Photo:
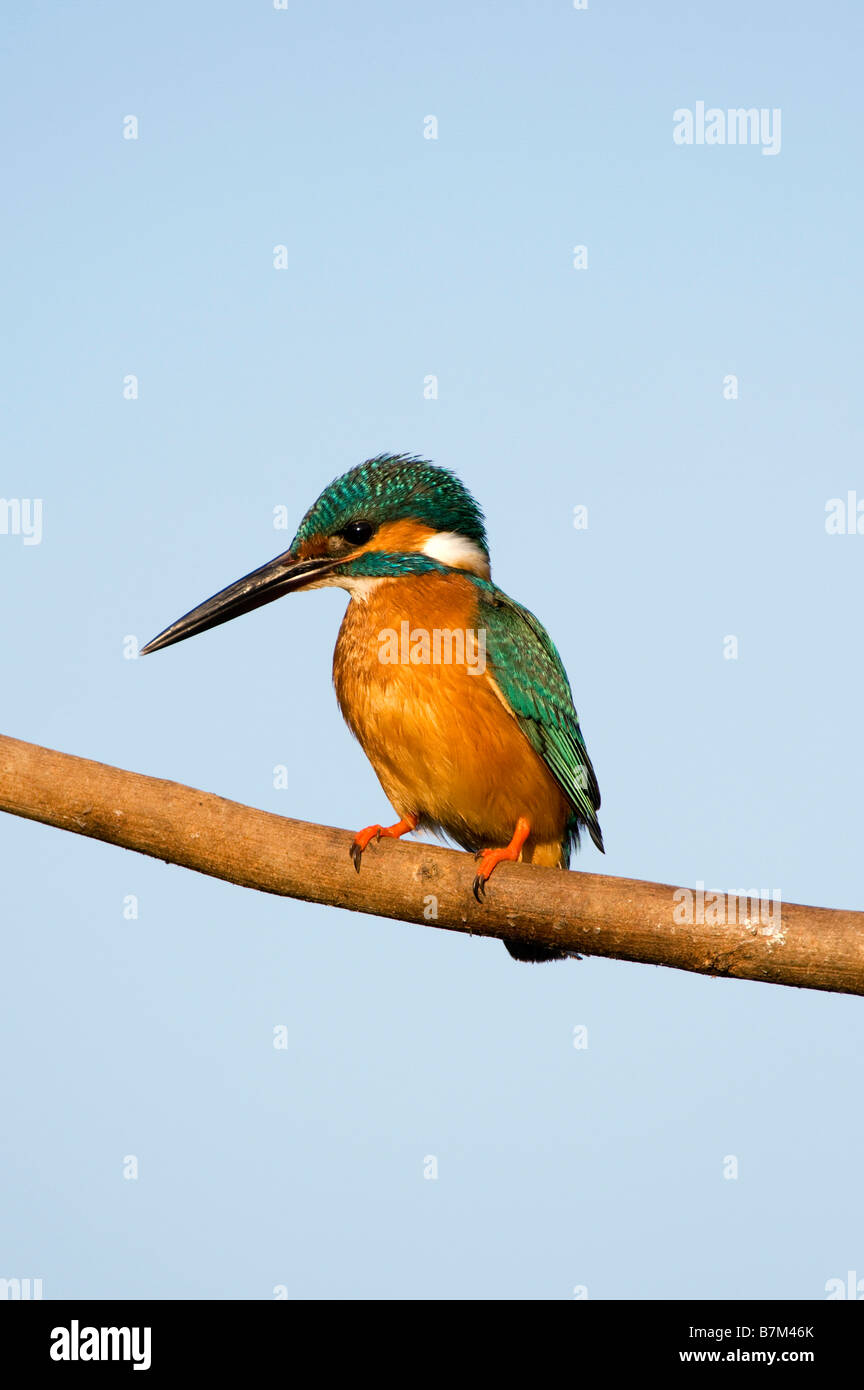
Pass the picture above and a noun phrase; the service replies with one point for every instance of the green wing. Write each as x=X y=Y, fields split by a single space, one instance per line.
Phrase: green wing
x=524 y=662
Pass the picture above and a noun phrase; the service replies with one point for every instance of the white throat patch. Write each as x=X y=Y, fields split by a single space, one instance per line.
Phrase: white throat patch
x=360 y=587
x=449 y=548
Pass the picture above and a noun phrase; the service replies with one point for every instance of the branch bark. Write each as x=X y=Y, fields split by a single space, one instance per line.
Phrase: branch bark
x=592 y=914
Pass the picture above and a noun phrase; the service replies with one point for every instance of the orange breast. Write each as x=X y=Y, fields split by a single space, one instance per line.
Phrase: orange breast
x=443 y=743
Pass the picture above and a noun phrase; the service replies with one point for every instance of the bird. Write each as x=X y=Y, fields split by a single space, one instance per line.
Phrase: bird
x=455 y=692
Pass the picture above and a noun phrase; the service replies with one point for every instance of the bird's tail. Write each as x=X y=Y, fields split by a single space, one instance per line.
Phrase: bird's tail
x=553 y=855
x=534 y=955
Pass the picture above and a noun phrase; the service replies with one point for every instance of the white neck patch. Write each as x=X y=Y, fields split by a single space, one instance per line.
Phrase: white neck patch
x=360 y=587
x=458 y=552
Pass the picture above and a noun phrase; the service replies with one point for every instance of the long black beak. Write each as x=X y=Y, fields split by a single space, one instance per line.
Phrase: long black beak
x=281 y=576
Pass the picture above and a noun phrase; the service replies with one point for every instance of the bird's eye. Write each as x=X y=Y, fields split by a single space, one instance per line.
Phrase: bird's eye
x=358 y=532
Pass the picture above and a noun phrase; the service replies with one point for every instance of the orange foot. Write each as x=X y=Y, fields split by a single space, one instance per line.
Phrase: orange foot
x=489 y=858
x=374 y=832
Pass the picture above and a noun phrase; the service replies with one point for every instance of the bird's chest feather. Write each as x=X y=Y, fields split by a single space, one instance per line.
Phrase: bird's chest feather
x=403 y=666
x=436 y=730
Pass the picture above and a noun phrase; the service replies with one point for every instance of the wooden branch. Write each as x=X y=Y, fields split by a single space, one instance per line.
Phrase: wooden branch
x=814 y=947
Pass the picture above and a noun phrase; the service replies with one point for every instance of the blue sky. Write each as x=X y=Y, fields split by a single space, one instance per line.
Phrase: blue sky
x=604 y=387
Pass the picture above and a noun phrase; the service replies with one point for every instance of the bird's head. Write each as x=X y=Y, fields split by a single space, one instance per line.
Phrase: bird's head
x=389 y=517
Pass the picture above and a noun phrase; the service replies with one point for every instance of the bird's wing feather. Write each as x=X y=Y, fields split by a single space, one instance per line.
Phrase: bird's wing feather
x=526 y=667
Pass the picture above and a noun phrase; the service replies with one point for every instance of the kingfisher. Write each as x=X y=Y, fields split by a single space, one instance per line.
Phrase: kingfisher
x=455 y=692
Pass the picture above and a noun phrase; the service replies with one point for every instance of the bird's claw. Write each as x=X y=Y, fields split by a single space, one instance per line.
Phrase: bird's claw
x=357 y=847
x=480 y=888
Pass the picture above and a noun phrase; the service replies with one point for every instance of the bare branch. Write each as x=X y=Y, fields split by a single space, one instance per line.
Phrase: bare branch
x=813 y=947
